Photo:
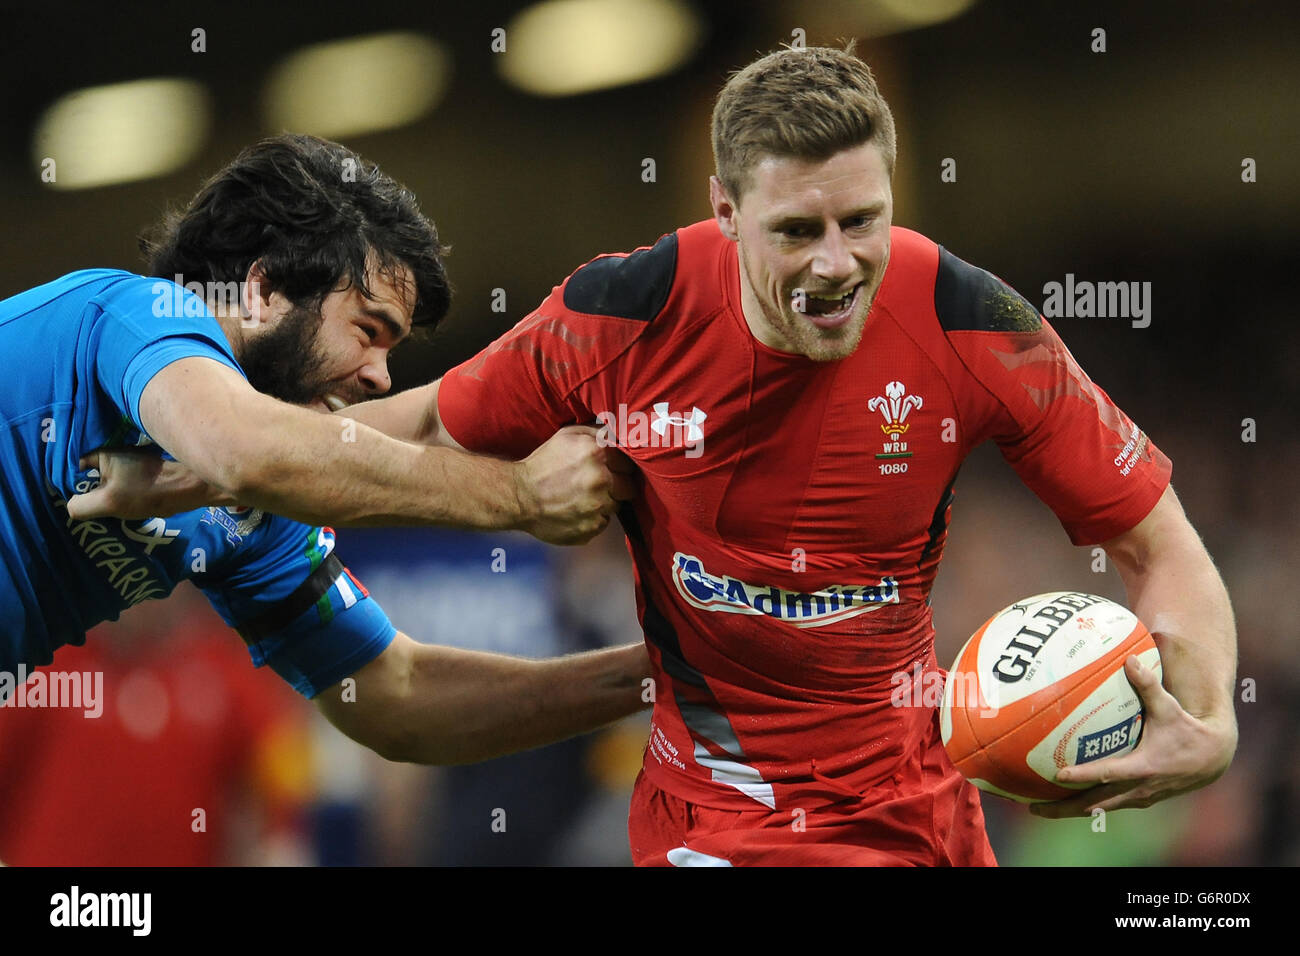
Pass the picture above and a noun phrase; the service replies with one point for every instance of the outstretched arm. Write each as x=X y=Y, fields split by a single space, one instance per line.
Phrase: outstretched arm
x=411 y=416
x=421 y=703
x=1191 y=728
x=239 y=445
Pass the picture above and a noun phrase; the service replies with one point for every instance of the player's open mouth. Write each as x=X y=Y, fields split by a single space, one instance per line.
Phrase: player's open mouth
x=828 y=312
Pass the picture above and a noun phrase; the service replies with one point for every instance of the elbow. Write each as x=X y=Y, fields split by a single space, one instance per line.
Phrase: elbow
x=387 y=737
x=234 y=478
x=225 y=465
x=404 y=729
x=395 y=748
x=412 y=713
x=407 y=745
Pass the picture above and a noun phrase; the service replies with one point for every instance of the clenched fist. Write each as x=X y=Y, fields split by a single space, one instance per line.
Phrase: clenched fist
x=141 y=484
x=569 y=487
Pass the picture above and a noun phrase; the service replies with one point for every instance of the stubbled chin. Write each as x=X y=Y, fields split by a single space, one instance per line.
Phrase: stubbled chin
x=830 y=345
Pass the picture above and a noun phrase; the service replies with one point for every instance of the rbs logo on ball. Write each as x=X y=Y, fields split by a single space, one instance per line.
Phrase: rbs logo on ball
x=1105 y=742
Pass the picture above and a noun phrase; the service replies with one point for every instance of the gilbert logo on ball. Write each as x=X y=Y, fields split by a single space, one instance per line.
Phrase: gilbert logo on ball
x=1051 y=692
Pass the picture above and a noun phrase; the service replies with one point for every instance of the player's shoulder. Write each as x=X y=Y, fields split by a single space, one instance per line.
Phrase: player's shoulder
x=109 y=286
x=121 y=299
x=638 y=285
x=94 y=281
x=965 y=297
x=128 y=294
x=73 y=290
x=968 y=298
x=630 y=285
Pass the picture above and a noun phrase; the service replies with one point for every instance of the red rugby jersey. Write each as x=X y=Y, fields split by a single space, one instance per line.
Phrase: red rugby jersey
x=792 y=513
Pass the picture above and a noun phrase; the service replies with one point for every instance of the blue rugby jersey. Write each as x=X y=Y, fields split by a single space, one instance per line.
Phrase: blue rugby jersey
x=77 y=353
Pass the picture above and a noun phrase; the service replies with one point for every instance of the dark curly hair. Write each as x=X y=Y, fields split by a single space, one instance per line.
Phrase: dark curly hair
x=311 y=211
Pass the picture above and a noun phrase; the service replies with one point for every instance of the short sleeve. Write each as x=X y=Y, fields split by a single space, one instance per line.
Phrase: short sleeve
x=144 y=326
x=509 y=398
x=1065 y=438
x=541 y=375
x=299 y=610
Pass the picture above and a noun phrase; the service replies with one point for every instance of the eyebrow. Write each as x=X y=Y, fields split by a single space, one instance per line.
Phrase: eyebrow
x=792 y=219
x=395 y=328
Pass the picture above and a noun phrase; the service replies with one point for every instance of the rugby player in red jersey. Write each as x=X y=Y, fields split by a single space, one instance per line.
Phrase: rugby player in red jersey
x=798 y=381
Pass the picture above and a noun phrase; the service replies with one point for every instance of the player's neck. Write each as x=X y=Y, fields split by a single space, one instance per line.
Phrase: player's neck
x=232 y=323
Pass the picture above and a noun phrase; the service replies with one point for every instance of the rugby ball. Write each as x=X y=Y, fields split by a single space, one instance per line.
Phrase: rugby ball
x=1042 y=686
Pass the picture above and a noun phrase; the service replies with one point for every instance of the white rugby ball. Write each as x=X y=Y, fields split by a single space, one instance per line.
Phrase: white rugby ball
x=1042 y=686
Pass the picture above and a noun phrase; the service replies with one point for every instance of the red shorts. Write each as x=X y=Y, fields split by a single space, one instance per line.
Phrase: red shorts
x=927 y=815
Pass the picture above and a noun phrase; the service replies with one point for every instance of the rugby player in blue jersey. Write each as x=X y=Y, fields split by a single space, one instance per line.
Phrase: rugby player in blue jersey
x=314 y=265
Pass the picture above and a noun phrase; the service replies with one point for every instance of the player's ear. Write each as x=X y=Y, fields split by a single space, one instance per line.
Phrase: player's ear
x=724 y=210
x=255 y=297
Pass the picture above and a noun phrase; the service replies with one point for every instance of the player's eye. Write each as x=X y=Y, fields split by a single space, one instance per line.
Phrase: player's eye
x=860 y=222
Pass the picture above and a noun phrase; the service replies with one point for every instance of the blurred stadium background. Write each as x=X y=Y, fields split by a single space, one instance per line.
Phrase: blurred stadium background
x=1119 y=166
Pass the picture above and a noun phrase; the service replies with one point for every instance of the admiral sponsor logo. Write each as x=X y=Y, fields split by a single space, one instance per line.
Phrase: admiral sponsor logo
x=709 y=592
x=237 y=522
x=661 y=429
x=1103 y=743
x=1029 y=640
x=894 y=407
x=1103 y=300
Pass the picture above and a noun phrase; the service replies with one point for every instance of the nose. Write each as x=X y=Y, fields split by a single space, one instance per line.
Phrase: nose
x=833 y=261
x=374 y=374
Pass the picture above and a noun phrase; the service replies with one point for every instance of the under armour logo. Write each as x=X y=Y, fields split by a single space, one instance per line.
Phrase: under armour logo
x=692 y=424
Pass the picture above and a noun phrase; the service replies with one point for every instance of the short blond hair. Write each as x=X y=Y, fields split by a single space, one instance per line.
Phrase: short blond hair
x=801 y=103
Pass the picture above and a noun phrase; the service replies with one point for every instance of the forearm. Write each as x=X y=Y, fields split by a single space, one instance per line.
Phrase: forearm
x=339 y=471
x=330 y=469
x=467 y=706
x=1183 y=602
x=410 y=416
x=321 y=469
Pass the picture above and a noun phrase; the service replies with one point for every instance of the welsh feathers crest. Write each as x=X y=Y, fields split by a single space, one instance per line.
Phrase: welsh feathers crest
x=894 y=406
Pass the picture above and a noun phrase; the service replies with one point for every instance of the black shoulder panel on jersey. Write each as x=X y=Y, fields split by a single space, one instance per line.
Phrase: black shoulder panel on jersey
x=627 y=287
x=968 y=298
